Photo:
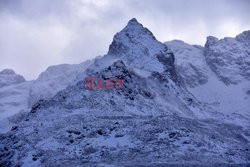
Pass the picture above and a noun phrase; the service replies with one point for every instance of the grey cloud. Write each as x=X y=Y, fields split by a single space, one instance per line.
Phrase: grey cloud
x=36 y=34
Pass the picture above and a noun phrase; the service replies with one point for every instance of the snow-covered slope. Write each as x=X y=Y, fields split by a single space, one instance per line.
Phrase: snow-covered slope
x=18 y=95
x=229 y=58
x=9 y=77
x=190 y=62
x=54 y=79
x=13 y=100
x=217 y=74
x=153 y=120
x=13 y=97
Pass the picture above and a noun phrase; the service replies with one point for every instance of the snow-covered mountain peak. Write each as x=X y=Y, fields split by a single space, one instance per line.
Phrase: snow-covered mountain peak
x=211 y=40
x=138 y=47
x=244 y=37
x=133 y=21
x=132 y=36
x=9 y=77
x=207 y=72
x=133 y=27
x=229 y=57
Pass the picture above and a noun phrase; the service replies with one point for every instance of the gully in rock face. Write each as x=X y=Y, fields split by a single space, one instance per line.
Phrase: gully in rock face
x=111 y=83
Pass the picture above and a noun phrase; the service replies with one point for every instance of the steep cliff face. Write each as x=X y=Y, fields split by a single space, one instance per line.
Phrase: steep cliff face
x=229 y=58
x=217 y=74
x=190 y=63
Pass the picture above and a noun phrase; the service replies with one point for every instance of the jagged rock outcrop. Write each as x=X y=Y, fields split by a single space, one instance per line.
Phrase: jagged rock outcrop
x=218 y=73
x=229 y=58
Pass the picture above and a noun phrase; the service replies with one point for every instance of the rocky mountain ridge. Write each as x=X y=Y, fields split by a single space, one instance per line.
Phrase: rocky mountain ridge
x=160 y=117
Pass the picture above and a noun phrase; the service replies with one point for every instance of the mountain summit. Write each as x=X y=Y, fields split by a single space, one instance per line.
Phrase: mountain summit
x=138 y=47
x=9 y=77
x=133 y=35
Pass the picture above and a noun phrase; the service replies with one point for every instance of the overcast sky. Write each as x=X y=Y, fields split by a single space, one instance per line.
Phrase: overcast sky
x=37 y=33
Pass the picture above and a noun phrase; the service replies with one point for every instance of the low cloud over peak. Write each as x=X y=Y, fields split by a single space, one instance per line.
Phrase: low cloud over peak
x=36 y=34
